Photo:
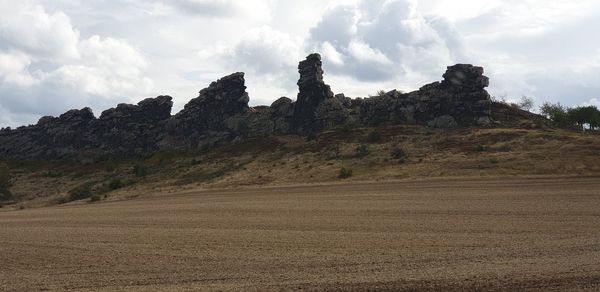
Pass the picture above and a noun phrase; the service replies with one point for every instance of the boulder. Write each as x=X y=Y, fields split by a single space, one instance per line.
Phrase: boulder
x=223 y=99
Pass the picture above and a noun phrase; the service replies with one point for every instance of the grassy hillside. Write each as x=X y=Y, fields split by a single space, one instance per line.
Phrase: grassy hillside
x=367 y=154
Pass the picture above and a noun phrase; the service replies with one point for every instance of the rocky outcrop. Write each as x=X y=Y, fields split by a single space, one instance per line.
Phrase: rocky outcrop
x=221 y=114
x=313 y=92
x=206 y=119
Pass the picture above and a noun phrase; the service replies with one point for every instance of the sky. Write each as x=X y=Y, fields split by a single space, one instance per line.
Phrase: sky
x=57 y=55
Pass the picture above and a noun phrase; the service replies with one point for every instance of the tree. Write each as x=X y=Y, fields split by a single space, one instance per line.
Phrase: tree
x=585 y=115
x=595 y=121
x=556 y=113
x=5 y=183
x=526 y=103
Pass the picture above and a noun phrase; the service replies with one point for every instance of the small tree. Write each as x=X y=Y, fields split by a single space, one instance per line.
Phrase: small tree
x=5 y=183
x=556 y=113
x=585 y=115
x=345 y=173
x=526 y=103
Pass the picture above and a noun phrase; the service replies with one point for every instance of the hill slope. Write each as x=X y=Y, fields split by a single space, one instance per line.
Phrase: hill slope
x=384 y=153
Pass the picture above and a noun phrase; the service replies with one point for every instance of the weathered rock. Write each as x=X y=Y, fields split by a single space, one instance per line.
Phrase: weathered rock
x=224 y=99
x=459 y=100
x=282 y=111
x=133 y=129
x=313 y=91
x=221 y=114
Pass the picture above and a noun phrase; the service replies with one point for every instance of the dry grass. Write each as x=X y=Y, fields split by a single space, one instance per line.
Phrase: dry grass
x=440 y=235
x=285 y=160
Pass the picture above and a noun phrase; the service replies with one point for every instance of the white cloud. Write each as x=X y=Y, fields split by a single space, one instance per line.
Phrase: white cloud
x=266 y=51
x=363 y=53
x=61 y=54
x=13 y=69
x=592 y=102
x=27 y=27
x=384 y=44
x=330 y=53
x=46 y=68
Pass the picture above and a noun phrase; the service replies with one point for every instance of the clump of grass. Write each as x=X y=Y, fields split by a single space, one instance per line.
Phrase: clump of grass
x=95 y=198
x=398 y=153
x=345 y=173
x=110 y=166
x=140 y=170
x=374 y=137
x=52 y=174
x=311 y=136
x=116 y=184
x=334 y=152
x=81 y=192
x=361 y=151
x=5 y=183
x=63 y=200
x=480 y=148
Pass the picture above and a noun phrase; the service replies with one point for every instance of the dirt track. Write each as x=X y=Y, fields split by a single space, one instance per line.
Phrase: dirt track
x=536 y=234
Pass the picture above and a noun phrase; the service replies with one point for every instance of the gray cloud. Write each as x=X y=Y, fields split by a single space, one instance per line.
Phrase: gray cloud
x=40 y=77
x=210 y=8
x=385 y=40
x=62 y=54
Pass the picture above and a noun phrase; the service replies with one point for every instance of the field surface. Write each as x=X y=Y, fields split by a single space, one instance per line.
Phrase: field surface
x=445 y=235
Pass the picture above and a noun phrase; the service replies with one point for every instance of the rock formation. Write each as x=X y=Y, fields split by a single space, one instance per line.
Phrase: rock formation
x=207 y=116
x=221 y=114
x=313 y=92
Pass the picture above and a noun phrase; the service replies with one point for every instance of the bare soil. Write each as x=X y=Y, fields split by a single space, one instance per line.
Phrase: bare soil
x=438 y=235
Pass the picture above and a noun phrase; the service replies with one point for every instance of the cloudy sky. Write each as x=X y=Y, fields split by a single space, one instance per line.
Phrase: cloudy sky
x=57 y=55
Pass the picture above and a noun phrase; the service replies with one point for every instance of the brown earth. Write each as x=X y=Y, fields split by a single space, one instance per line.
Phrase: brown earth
x=437 y=235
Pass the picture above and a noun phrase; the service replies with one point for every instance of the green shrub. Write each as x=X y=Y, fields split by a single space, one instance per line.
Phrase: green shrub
x=345 y=173
x=398 y=153
x=334 y=152
x=480 y=148
x=110 y=166
x=5 y=183
x=362 y=151
x=81 y=192
x=140 y=170
x=115 y=184
x=63 y=200
x=374 y=137
x=311 y=136
x=95 y=198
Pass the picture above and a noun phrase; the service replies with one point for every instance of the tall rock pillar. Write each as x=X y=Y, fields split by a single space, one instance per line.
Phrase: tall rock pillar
x=313 y=91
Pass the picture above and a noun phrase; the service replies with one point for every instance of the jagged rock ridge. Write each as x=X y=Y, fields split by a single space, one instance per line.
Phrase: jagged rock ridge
x=221 y=114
